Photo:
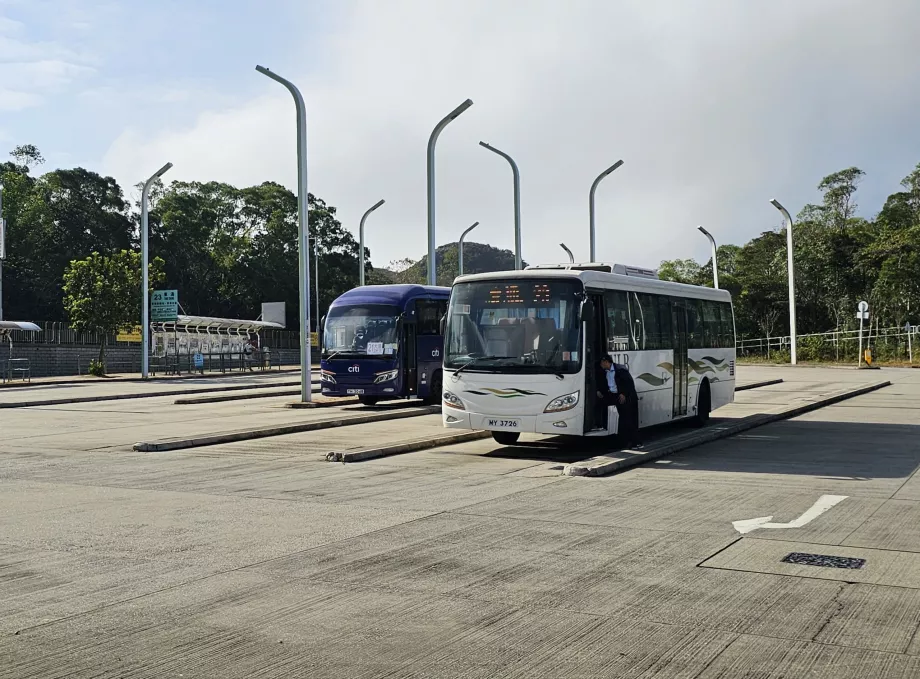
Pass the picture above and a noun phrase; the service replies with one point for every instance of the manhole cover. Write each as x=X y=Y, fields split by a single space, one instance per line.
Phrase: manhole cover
x=804 y=559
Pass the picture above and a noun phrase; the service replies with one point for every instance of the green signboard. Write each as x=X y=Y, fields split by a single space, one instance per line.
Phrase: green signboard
x=164 y=306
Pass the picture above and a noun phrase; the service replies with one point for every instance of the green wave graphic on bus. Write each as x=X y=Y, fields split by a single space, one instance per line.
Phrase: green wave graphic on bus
x=655 y=381
x=505 y=393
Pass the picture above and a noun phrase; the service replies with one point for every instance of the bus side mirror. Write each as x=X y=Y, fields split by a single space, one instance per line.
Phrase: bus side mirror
x=586 y=312
x=322 y=326
x=443 y=324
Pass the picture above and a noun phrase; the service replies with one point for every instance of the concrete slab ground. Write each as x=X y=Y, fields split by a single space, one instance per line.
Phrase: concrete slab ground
x=260 y=559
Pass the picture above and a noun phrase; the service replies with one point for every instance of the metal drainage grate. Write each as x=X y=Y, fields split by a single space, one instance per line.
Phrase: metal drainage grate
x=824 y=560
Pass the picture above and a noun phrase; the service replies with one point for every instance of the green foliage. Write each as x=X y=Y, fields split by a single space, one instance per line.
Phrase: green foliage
x=477 y=258
x=96 y=368
x=102 y=293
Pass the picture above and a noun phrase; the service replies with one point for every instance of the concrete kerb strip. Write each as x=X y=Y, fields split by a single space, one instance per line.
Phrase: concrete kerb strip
x=607 y=464
x=124 y=397
x=757 y=385
x=233 y=397
x=39 y=382
x=279 y=430
x=406 y=446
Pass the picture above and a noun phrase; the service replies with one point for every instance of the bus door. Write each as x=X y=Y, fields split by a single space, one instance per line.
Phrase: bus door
x=595 y=343
x=681 y=368
x=410 y=355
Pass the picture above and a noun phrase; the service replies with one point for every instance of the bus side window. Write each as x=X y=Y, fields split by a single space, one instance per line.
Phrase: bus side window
x=618 y=335
x=728 y=325
x=664 y=322
x=429 y=318
x=694 y=325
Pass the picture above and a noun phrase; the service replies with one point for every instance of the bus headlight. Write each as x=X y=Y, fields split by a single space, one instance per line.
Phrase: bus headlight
x=386 y=376
x=452 y=401
x=327 y=376
x=566 y=402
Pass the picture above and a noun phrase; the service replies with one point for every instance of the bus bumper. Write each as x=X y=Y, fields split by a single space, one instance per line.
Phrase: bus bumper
x=568 y=422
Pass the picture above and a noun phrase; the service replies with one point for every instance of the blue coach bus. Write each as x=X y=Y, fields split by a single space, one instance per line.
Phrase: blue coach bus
x=383 y=342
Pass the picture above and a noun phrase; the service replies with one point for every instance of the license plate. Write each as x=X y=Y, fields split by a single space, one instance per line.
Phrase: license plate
x=354 y=391
x=499 y=423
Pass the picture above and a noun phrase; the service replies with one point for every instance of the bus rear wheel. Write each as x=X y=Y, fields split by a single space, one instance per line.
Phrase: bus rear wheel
x=436 y=390
x=506 y=438
x=703 y=406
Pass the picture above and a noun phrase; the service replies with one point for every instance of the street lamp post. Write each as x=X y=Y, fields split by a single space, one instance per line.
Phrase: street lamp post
x=361 y=240
x=715 y=267
x=316 y=275
x=432 y=140
x=145 y=283
x=568 y=252
x=303 y=247
x=591 y=202
x=791 y=270
x=516 y=175
x=462 y=236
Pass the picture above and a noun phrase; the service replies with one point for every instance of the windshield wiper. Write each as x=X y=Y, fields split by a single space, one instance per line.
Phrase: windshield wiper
x=476 y=359
x=549 y=361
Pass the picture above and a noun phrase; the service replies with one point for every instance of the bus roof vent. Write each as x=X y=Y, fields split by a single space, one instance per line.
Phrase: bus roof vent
x=626 y=270
x=589 y=266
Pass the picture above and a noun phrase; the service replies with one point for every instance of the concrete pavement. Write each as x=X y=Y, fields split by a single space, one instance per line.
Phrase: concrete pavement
x=260 y=559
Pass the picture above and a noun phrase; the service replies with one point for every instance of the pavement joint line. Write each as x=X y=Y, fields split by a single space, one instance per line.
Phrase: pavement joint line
x=164 y=445
x=608 y=464
x=757 y=385
x=124 y=397
x=52 y=380
x=411 y=446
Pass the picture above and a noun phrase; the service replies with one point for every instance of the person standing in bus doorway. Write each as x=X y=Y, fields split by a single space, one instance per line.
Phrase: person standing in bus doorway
x=619 y=390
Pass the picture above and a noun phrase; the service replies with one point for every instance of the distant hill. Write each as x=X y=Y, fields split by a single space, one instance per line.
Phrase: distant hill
x=477 y=258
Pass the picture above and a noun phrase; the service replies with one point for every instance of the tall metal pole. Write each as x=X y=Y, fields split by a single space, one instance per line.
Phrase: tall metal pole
x=715 y=266
x=145 y=282
x=432 y=140
x=303 y=230
x=591 y=202
x=568 y=252
x=790 y=268
x=2 y=249
x=361 y=240
x=462 y=236
x=516 y=175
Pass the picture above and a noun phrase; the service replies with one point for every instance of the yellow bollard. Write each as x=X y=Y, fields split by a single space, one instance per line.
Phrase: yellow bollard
x=868 y=356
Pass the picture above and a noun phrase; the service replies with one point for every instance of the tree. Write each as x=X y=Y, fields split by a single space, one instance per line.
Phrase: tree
x=102 y=293
x=682 y=271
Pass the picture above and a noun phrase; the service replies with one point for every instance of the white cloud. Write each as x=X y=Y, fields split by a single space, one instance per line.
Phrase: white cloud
x=714 y=106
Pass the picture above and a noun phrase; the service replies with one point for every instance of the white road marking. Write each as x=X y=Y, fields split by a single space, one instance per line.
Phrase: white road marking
x=824 y=503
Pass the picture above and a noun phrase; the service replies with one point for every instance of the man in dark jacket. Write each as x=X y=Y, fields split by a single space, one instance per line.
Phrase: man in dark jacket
x=618 y=389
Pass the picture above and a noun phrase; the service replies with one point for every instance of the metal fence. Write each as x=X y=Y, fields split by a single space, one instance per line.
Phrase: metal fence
x=59 y=333
x=887 y=344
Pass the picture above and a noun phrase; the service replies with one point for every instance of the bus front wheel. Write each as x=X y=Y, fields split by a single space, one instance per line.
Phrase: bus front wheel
x=506 y=438
x=703 y=405
x=368 y=400
x=436 y=390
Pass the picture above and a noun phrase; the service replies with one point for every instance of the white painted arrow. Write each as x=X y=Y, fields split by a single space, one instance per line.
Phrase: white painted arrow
x=824 y=503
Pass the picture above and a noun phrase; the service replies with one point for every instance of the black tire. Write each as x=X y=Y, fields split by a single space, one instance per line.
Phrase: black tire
x=506 y=438
x=368 y=400
x=703 y=405
x=435 y=390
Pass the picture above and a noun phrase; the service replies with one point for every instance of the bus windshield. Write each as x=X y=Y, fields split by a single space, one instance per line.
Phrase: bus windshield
x=362 y=330
x=523 y=326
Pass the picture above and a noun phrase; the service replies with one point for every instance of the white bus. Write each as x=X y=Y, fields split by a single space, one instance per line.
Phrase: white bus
x=522 y=349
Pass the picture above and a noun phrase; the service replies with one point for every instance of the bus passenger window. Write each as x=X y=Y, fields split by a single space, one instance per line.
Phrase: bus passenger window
x=618 y=334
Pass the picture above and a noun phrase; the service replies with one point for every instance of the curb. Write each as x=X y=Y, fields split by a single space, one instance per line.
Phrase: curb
x=406 y=447
x=232 y=397
x=603 y=465
x=299 y=405
x=125 y=397
x=757 y=385
x=248 y=434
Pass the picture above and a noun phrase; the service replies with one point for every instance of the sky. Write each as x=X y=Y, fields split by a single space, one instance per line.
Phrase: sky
x=714 y=106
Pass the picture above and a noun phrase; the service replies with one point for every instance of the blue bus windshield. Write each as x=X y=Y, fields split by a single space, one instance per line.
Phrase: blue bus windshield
x=362 y=330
